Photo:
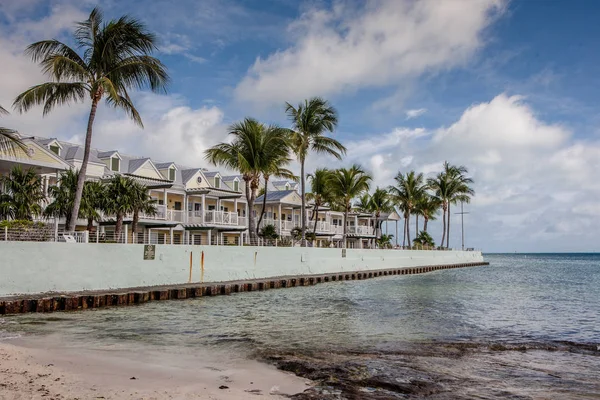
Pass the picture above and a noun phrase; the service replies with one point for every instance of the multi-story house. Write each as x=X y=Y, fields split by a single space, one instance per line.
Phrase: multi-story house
x=194 y=205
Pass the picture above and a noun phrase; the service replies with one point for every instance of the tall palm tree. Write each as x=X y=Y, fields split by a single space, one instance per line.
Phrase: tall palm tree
x=409 y=188
x=274 y=163
x=320 y=192
x=380 y=202
x=441 y=189
x=121 y=200
x=311 y=120
x=347 y=184
x=250 y=152
x=23 y=194
x=109 y=59
x=363 y=203
x=460 y=189
x=9 y=139
x=142 y=202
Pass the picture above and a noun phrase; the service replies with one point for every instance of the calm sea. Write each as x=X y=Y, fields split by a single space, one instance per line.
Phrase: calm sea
x=518 y=298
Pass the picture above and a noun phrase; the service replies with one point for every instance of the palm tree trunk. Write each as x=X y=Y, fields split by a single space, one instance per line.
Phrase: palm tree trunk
x=345 y=236
x=134 y=223
x=316 y=217
x=118 y=226
x=251 y=196
x=84 y=163
x=264 y=205
x=416 y=225
x=408 y=230
x=90 y=224
x=444 y=226
x=448 y=229
x=425 y=224
x=404 y=234
x=303 y=206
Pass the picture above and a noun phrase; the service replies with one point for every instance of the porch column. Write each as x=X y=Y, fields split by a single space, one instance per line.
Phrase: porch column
x=56 y=218
x=279 y=215
x=149 y=240
x=204 y=209
x=235 y=205
x=185 y=208
x=171 y=235
x=241 y=238
x=126 y=233
x=209 y=237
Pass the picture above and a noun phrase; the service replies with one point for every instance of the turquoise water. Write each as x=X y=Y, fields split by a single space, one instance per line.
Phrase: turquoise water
x=517 y=298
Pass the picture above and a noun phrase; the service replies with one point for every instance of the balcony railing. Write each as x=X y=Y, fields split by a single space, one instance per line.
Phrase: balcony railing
x=360 y=230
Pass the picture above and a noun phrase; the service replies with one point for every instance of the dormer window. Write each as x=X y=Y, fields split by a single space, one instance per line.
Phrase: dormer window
x=236 y=186
x=55 y=149
x=217 y=182
x=115 y=163
x=287 y=186
x=172 y=173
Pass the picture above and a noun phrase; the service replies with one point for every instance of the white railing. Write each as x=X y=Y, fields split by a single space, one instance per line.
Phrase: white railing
x=175 y=215
x=337 y=229
x=360 y=230
x=242 y=221
x=322 y=226
x=220 y=217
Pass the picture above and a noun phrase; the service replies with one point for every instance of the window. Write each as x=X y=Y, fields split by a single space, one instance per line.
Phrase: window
x=114 y=164
x=55 y=149
x=178 y=206
x=217 y=182
x=210 y=208
x=236 y=186
x=171 y=174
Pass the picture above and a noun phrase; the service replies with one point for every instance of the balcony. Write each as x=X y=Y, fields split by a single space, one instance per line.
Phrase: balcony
x=360 y=230
x=214 y=217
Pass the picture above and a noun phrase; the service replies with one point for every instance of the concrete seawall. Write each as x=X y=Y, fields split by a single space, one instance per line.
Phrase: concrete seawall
x=47 y=277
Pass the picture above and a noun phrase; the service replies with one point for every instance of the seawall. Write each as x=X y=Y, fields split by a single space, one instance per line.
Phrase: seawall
x=48 y=276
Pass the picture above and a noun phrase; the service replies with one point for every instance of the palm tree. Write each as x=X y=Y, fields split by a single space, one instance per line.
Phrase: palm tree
x=459 y=189
x=142 y=202
x=380 y=202
x=113 y=58
x=311 y=120
x=320 y=192
x=385 y=241
x=9 y=138
x=251 y=153
x=427 y=207
x=121 y=200
x=363 y=203
x=274 y=162
x=347 y=184
x=409 y=188
x=22 y=195
x=93 y=201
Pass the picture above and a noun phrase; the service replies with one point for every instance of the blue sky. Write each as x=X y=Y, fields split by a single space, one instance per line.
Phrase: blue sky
x=507 y=88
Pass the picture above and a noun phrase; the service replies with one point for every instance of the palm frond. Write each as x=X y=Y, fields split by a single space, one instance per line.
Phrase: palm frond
x=50 y=94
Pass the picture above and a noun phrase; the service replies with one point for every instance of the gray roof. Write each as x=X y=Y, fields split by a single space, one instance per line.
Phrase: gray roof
x=164 y=165
x=135 y=164
x=187 y=174
x=46 y=141
x=211 y=174
x=105 y=154
x=229 y=178
x=275 y=195
x=76 y=153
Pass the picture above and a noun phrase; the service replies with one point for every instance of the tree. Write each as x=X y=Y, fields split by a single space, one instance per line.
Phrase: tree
x=380 y=202
x=363 y=203
x=385 y=241
x=320 y=191
x=23 y=194
x=269 y=232
x=424 y=239
x=274 y=162
x=347 y=184
x=249 y=153
x=114 y=58
x=9 y=139
x=311 y=120
x=409 y=188
x=427 y=207
x=142 y=202
x=121 y=200
x=63 y=195
x=450 y=186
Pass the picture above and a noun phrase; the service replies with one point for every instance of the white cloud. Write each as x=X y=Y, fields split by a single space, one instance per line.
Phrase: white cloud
x=414 y=113
x=347 y=48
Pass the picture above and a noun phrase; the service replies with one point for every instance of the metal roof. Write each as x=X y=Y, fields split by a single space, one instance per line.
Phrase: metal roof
x=275 y=195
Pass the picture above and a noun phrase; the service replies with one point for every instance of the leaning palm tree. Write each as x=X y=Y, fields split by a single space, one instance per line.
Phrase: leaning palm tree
x=320 y=192
x=459 y=189
x=409 y=188
x=311 y=120
x=249 y=153
x=121 y=200
x=109 y=59
x=9 y=139
x=23 y=194
x=347 y=184
x=427 y=207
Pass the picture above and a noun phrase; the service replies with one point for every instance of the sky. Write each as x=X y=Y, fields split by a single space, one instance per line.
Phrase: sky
x=508 y=89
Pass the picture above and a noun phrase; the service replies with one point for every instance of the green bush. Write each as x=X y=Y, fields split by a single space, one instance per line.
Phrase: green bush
x=269 y=232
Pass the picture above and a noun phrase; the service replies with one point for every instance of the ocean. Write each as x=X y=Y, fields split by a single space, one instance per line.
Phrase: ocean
x=526 y=326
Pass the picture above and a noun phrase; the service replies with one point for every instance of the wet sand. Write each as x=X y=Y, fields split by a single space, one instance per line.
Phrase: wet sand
x=30 y=371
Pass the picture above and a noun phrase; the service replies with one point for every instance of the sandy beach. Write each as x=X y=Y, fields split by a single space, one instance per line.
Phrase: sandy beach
x=30 y=371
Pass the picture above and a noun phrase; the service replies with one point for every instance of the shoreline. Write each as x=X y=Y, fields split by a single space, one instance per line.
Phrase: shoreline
x=37 y=368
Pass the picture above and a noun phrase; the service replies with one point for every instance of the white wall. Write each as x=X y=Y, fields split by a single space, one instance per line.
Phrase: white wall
x=29 y=267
